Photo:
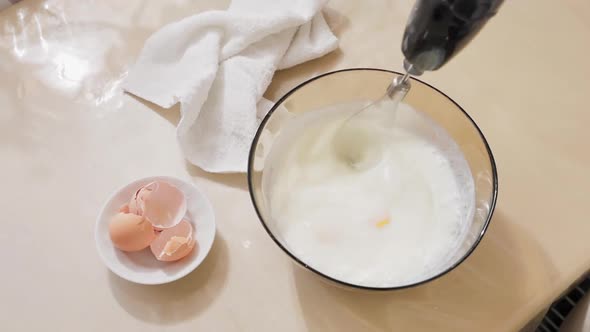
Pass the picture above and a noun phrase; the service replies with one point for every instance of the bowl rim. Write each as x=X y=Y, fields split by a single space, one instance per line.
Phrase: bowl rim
x=344 y=283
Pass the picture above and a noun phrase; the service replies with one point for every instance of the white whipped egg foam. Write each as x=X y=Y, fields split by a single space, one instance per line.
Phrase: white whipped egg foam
x=396 y=222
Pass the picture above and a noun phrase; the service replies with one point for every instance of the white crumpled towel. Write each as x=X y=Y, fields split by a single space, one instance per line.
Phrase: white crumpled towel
x=218 y=64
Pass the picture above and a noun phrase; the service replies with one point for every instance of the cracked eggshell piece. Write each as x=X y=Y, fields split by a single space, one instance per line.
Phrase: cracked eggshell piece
x=174 y=243
x=161 y=203
x=130 y=232
x=137 y=201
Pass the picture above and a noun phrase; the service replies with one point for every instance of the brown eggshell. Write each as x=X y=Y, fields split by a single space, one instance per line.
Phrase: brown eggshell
x=161 y=203
x=130 y=232
x=174 y=243
x=124 y=208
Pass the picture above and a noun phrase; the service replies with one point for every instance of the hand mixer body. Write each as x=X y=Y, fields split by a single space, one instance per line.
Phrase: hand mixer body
x=438 y=29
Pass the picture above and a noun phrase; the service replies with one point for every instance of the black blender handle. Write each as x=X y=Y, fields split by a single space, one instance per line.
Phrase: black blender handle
x=438 y=29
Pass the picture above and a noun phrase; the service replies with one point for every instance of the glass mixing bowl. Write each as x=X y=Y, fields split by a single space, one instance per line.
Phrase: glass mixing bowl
x=354 y=85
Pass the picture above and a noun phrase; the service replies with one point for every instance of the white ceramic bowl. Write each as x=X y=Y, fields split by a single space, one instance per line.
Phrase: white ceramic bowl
x=142 y=267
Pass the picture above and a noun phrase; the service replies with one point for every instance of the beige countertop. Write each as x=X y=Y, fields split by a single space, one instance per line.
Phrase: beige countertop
x=69 y=136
